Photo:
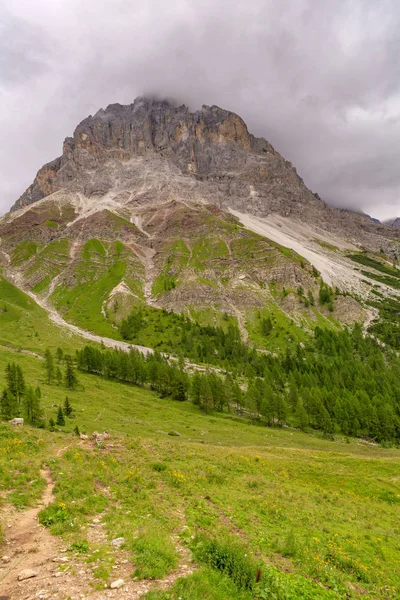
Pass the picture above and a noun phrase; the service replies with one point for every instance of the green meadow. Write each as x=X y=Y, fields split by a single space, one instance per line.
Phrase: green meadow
x=317 y=518
x=265 y=512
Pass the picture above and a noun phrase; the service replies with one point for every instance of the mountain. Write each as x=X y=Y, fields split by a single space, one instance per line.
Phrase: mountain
x=210 y=468
x=151 y=204
x=146 y=151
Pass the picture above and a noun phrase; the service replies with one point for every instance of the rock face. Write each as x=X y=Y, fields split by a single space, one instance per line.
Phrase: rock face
x=200 y=144
x=152 y=150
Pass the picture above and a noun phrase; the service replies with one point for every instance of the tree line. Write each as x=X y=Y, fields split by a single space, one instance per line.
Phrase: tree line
x=23 y=400
x=336 y=382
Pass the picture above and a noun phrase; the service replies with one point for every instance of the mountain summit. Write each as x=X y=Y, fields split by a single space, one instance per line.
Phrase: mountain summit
x=207 y=155
x=153 y=204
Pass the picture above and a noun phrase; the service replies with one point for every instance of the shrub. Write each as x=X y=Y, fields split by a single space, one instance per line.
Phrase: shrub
x=159 y=467
x=228 y=557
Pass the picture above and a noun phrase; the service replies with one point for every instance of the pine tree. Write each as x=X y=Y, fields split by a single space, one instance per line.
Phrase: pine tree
x=15 y=381
x=60 y=417
x=67 y=407
x=20 y=383
x=51 y=424
x=301 y=416
x=8 y=405
x=70 y=378
x=266 y=326
x=58 y=376
x=206 y=398
x=237 y=397
x=196 y=389
x=49 y=366
x=32 y=409
x=11 y=378
x=76 y=430
x=59 y=355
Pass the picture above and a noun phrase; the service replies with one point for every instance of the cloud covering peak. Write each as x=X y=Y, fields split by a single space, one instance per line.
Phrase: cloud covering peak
x=318 y=78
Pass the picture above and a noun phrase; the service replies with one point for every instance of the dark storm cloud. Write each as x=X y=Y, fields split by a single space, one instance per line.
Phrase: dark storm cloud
x=319 y=78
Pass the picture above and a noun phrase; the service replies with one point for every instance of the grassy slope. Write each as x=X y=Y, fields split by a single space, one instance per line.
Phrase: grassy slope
x=102 y=266
x=24 y=325
x=308 y=506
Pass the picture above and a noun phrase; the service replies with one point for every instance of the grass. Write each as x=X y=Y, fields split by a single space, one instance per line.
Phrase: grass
x=23 y=252
x=326 y=245
x=368 y=261
x=154 y=554
x=101 y=268
x=205 y=584
x=24 y=325
x=20 y=457
x=393 y=282
x=318 y=516
x=284 y=330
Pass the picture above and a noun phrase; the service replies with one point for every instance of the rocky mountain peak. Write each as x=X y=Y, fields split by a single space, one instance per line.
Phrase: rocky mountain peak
x=151 y=151
x=209 y=144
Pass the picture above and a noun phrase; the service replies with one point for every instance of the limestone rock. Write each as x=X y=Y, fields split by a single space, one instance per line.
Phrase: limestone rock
x=27 y=574
x=117 y=584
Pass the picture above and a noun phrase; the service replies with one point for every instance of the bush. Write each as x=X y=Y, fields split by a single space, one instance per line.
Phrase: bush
x=228 y=557
x=159 y=467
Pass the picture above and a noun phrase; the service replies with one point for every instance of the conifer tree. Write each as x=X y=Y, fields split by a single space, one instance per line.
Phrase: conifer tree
x=70 y=378
x=301 y=416
x=59 y=355
x=49 y=366
x=8 y=405
x=60 y=417
x=11 y=379
x=58 y=376
x=32 y=409
x=76 y=430
x=20 y=383
x=206 y=398
x=67 y=407
x=196 y=389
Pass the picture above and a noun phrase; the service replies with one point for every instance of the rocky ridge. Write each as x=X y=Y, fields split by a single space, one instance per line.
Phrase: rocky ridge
x=144 y=152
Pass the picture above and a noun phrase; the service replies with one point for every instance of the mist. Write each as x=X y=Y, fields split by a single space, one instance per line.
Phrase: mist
x=320 y=79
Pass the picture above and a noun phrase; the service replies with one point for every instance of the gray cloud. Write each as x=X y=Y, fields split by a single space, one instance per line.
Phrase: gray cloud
x=320 y=79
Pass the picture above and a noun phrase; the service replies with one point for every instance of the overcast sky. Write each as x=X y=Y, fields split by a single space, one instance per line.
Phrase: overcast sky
x=320 y=79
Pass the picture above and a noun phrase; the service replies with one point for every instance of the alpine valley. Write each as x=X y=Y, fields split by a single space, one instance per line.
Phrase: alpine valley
x=170 y=281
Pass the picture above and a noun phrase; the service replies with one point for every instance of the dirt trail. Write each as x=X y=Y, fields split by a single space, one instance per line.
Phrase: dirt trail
x=60 y=576
x=28 y=545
